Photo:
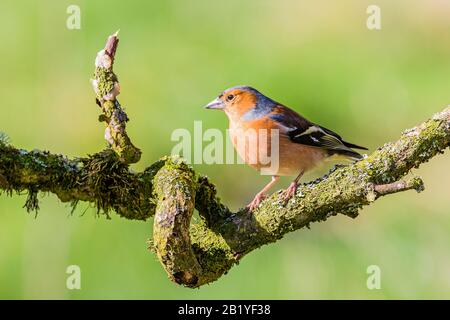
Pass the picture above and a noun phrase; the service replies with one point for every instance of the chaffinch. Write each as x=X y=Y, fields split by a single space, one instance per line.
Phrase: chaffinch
x=301 y=144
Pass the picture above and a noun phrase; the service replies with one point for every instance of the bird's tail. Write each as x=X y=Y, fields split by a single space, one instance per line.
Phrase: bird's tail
x=353 y=146
x=347 y=154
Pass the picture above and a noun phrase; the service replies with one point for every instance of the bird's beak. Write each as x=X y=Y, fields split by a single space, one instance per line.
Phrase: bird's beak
x=215 y=104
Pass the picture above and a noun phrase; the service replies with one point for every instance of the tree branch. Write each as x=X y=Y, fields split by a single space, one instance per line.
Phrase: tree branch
x=415 y=183
x=196 y=254
x=107 y=88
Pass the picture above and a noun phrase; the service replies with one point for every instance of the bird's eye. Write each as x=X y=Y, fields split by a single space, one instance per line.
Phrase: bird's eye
x=230 y=97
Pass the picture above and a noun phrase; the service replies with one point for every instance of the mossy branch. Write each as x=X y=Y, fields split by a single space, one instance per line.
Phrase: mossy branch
x=196 y=254
x=107 y=88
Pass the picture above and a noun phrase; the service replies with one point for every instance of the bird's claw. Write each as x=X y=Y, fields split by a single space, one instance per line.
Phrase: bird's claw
x=290 y=191
x=256 y=202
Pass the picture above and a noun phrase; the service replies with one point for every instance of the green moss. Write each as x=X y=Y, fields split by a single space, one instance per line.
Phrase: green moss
x=417 y=184
x=203 y=255
x=4 y=139
x=106 y=80
x=115 y=188
x=213 y=253
x=207 y=203
x=32 y=203
x=115 y=117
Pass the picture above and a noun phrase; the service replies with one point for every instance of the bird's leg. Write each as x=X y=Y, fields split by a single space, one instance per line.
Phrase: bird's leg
x=262 y=194
x=292 y=189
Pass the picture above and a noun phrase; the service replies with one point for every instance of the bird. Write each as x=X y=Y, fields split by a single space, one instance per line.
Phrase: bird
x=302 y=144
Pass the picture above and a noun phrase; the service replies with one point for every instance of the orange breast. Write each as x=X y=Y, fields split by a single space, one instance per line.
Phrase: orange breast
x=272 y=152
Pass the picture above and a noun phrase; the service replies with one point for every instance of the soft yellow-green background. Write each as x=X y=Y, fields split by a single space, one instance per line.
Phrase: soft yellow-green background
x=175 y=56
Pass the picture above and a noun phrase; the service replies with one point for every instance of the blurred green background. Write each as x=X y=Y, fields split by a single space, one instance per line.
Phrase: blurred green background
x=174 y=57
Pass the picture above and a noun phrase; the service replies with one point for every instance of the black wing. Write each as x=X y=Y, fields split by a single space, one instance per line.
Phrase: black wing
x=304 y=132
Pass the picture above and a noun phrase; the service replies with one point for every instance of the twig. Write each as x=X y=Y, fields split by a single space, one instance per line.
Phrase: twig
x=415 y=183
x=107 y=88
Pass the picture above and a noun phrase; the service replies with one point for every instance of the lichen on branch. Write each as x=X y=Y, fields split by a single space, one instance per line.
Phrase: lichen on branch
x=107 y=88
x=194 y=254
